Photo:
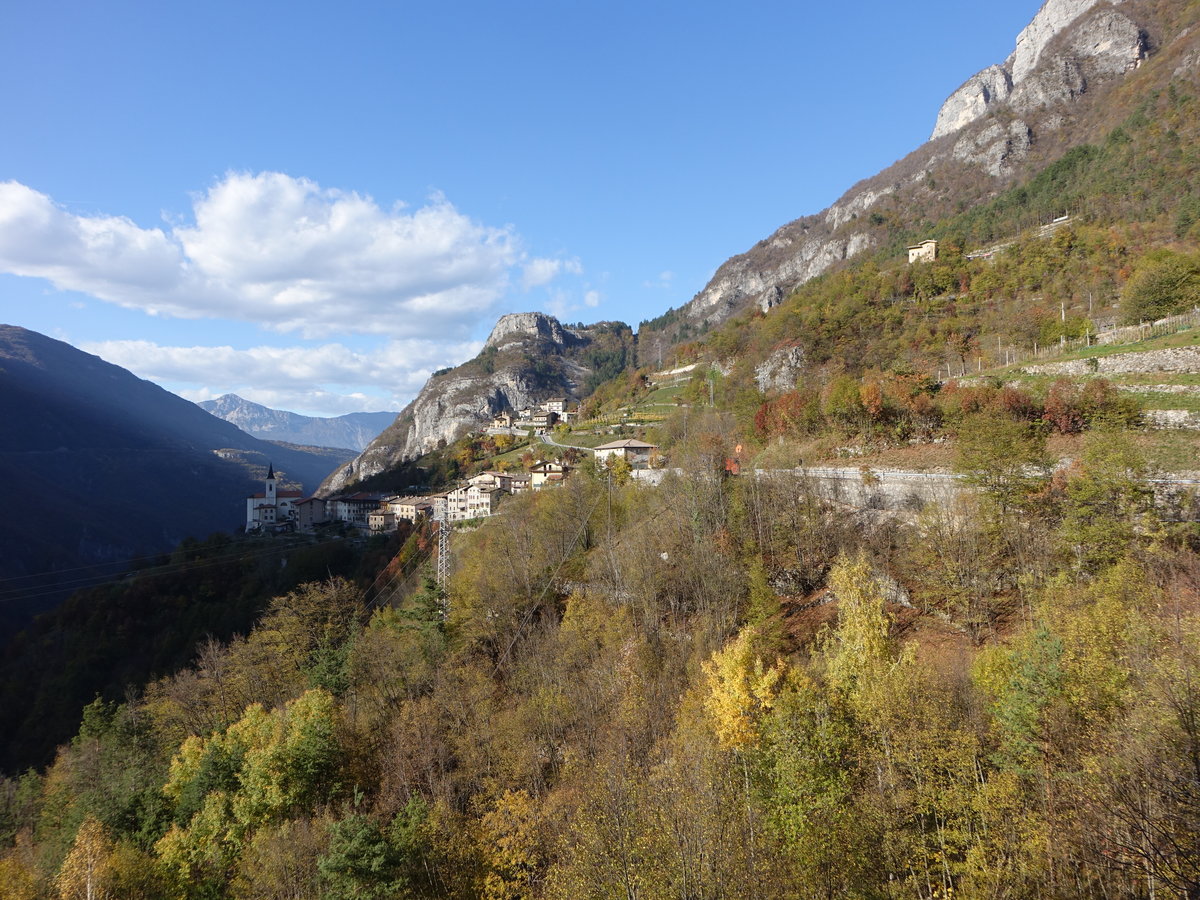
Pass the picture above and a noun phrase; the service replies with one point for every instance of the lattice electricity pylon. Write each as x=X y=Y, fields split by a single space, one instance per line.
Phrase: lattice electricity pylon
x=443 y=557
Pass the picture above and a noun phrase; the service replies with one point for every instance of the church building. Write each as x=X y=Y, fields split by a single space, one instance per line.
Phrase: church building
x=273 y=508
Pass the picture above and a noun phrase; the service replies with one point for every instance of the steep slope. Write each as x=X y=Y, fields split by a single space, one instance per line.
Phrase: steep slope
x=1004 y=124
x=353 y=430
x=528 y=357
x=101 y=466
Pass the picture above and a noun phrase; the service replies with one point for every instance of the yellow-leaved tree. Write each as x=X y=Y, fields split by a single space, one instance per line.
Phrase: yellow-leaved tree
x=741 y=690
x=262 y=769
x=858 y=651
x=85 y=873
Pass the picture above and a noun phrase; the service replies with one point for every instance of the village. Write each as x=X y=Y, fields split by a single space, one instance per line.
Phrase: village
x=274 y=511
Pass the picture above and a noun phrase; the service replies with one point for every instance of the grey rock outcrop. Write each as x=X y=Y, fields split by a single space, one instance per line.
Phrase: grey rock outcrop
x=780 y=370
x=447 y=406
x=792 y=255
x=1052 y=18
x=515 y=328
x=1068 y=42
x=995 y=147
x=528 y=358
x=971 y=101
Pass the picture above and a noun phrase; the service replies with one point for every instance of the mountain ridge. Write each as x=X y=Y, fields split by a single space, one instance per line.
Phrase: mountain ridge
x=352 y=431
x=994 y=130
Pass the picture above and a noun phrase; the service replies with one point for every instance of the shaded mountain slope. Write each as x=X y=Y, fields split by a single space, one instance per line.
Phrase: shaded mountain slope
x=102 y=466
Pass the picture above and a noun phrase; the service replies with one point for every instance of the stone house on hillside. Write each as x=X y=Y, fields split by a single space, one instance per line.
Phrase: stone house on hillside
x=926 y=251
x=354 y=508
x=310 y=512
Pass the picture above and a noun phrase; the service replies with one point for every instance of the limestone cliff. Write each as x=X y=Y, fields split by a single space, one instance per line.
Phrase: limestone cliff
x=529 y=357
x=987 y=134
x=1068 y=42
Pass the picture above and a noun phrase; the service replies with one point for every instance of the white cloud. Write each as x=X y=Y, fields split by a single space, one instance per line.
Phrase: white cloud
x=563 y=304
x=542 y=271
x=664 y=281
x=280 y=251
x=329 y=379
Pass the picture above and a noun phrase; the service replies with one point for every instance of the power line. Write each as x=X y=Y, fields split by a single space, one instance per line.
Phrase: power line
x=549 y=583
x=18 y=593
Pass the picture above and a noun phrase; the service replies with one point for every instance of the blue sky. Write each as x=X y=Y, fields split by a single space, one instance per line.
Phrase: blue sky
x=314 y=205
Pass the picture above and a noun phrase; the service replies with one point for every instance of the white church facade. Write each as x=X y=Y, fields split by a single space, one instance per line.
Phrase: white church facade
x=272 y=509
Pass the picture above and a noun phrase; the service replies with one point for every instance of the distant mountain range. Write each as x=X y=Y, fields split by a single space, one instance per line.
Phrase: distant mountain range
x=353 y=431
x=100 y=467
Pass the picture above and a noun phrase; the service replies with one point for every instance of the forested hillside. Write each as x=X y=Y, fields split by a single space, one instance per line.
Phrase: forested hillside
x=995 y=699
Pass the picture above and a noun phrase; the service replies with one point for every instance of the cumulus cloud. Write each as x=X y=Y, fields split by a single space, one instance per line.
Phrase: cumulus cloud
x=283 y=252
x=538 y=272
x=330 y=379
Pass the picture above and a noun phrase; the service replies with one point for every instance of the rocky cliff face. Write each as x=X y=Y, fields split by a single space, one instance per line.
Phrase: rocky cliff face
x=517 y=328
x=985 y=133
x=528 y=358
x=1068 y=42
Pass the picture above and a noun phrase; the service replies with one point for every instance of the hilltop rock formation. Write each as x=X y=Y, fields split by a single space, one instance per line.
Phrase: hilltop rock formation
x=528 y=358
x=987 y=133
x=516 y=328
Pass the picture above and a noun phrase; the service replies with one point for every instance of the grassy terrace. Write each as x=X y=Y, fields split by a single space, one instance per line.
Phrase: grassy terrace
x=1188 y=338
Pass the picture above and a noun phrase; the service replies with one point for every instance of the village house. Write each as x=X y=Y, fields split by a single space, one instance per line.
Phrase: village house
x=273 y=509
x=542 y=416
x=547 y=474
x=354 y=508
x=381 y=520
x=310 y=513
x=472 y=501
x=636 y=453
x=410 y=508
x=926 y=251
x=544 y=419
x=492 y=478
